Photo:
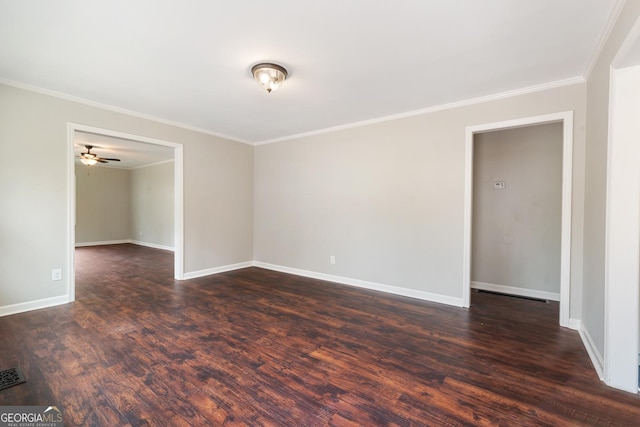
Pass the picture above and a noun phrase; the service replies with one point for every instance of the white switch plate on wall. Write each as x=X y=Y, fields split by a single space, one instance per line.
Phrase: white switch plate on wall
x=56 y=274
x=499 y=185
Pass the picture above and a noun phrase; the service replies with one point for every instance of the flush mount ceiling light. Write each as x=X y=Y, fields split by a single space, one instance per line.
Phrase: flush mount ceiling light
x=269 y=76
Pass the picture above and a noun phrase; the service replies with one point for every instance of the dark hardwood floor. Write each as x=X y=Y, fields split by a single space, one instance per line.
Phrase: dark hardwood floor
x=255 y=347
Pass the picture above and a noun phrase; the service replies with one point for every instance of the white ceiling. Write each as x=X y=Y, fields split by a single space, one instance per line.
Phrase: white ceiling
x=189 y=61
x=132 y=154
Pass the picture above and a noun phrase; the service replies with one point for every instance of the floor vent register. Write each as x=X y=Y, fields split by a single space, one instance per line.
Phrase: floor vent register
x=11 y=377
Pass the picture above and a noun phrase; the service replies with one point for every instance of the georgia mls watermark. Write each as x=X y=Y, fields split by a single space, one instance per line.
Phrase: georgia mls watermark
x=30 y=416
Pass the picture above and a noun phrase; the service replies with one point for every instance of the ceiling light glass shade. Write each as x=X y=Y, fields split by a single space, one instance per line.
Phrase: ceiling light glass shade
x=88 y=162
x=269 y=76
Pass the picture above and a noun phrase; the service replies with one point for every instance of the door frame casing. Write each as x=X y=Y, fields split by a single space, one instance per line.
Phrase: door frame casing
x=622 y=237
x=71 y=197
x=622 y=233
x=566 y=118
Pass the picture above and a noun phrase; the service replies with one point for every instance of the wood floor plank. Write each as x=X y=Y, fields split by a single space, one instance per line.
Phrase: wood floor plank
x=254 y=347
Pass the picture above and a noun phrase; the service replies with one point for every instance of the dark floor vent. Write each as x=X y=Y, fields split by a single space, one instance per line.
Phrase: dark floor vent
x=513 y=296
x=11 y=377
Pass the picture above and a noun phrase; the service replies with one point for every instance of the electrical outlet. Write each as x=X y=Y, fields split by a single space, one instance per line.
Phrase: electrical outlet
x=56 y=274
x=332 y=259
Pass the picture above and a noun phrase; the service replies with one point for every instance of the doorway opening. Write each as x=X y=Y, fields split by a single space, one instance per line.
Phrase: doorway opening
x=566 y=119
x=517 y=183
x=175 y=150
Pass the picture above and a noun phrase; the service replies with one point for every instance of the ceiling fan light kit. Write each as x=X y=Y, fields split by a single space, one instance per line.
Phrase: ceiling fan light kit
x=269 y=76
x=88 y=162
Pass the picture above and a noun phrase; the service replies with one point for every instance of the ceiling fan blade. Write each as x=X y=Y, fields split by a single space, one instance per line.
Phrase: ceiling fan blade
x=112 y=160
x=101 y=161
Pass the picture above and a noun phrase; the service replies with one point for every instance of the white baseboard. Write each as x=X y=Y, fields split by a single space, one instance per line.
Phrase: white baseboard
x=152 y=245
x=103 y=242
x=426 y=296
x=596 y=358
x=8 y=310
x=216 y=270
x=511 y=290
x=575 y=324
x=120 y=242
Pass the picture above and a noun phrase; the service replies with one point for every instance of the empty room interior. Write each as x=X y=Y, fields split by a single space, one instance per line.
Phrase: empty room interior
x=340 y=213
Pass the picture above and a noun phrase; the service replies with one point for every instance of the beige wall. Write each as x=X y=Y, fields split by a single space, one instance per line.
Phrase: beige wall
x=596 y=177
x=387 y=199
x=103 y=204
x=218 y=195
x=152 y=204
x=516 y=230
x=121 y=204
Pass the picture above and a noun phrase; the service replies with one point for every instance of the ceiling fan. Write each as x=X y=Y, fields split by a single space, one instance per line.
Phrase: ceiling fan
x=91 y=159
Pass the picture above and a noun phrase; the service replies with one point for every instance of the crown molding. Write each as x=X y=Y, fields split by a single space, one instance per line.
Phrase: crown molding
x=114 y=109
x=613 y=18
x=449 y=106
x=452 y=105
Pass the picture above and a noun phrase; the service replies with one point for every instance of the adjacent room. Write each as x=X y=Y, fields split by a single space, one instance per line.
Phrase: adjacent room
x=343 y=213
x=127 y=200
